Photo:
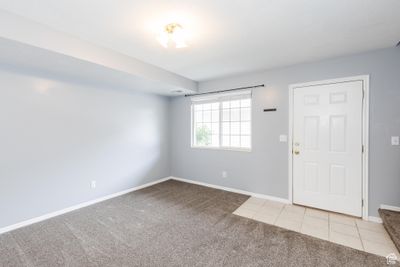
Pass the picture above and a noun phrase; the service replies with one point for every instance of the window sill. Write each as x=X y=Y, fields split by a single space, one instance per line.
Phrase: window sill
x=223 y=148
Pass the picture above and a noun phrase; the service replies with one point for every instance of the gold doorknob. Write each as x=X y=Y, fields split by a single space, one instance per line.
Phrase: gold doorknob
x=296 y=152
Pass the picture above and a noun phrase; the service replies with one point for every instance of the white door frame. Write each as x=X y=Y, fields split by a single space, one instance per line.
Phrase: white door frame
x=365 y=133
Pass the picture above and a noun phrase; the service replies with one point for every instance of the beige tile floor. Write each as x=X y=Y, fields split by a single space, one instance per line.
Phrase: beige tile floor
x=345 y=230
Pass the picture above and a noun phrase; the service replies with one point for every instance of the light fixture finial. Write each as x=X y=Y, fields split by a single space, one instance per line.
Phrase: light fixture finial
x=173 y=34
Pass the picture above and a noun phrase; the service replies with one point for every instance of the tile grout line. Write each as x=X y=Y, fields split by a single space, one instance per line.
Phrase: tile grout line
x=358 y=231
x=255 y=212
x=280 y=213
x=302 y=221
x=329 y=227
x=260 y=208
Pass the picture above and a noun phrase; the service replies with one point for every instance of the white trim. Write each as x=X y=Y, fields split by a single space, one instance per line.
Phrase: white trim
x=365 y=181
x=388 y=207
x=374 y=219
x=365 y=80
x=78 y=206
x=243 y=192
x=290 y=146
x=220 y=122
x=95 y=201
x=222 y=148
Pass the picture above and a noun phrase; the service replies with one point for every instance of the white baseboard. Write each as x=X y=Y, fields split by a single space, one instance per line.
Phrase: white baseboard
x=388 y=207
x=277 y=199
x=78 y=206
x=374 y=219
x=97 y=200
x=272 y=198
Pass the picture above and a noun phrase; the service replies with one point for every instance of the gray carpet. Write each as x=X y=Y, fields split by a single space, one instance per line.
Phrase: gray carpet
x=169 y=224
x=391 y=221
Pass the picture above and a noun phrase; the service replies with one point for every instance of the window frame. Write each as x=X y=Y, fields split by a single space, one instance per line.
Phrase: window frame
x=220 y=147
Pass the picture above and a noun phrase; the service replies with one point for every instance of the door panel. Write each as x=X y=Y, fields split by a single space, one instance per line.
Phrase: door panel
x=327 y=146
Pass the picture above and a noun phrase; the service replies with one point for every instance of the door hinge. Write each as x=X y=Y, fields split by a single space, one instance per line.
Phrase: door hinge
x=362 y=149
x=363 y=94
x=362 y=202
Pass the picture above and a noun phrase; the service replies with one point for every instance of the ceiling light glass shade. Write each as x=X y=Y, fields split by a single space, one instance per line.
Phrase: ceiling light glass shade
x=163 y=39
x=172 y=36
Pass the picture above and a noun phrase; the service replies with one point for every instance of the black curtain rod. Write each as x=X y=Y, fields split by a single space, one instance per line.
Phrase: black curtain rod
x=227 y=90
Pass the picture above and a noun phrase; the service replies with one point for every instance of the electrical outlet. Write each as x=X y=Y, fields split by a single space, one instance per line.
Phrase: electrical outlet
x=395 y=141
x=283 y=138
x=93 y=184
x=224 y=174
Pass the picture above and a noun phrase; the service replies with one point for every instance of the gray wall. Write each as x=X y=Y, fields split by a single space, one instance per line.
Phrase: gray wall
x=55 y=137
x=265 y=169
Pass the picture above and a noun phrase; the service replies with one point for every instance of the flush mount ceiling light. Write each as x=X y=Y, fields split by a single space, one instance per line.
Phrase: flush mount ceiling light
x=173 y=36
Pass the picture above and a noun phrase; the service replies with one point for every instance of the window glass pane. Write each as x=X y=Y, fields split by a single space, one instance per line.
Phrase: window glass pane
x=198 y=107
x=206 y=116
x=245 y=103
x=235 y=141
x=207 y=125
x=235 y=103
x=215 y=128
x=198 y=116
x=245 y=141
x=245 y=128
x=226 y=128
x=225 y=140
x=226 y=104
x=215 y=116
x=245 y=114
x=202 y=135
x=235 y=114
x=235 y=128
x=207 y=106
x=225 y=115
x=215 y=106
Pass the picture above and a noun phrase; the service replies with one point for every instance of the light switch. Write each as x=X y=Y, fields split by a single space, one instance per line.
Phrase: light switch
x=395 y=141
x=283 y=138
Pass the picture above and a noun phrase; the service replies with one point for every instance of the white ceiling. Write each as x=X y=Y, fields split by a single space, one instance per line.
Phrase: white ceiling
x=227 y=37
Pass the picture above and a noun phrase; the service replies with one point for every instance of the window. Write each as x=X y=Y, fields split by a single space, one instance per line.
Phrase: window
x=222 y=122
x=206 y=124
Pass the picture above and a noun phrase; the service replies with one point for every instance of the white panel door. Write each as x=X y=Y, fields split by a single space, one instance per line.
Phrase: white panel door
x=327 y=147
